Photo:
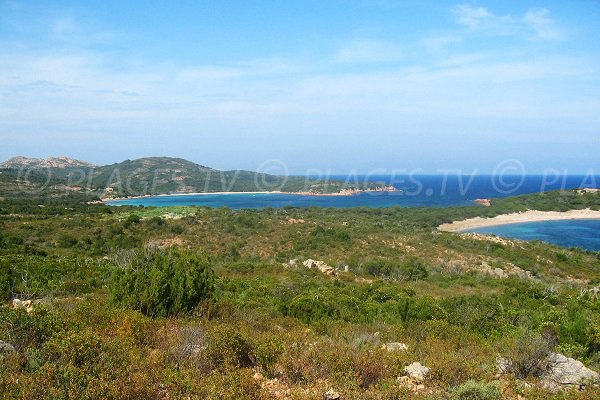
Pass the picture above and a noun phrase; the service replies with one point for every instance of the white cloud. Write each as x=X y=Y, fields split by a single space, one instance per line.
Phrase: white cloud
x=78 y=91
x=544 y=27
x=474 y=17
x=535 y=24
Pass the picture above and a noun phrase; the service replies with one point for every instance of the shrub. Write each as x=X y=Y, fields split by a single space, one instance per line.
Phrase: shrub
x=177 y=229
x=527 y=354
x=156 y=222
x=7 y=278
x=186 y=345
x=369 y=368
x=65 y=240
x=131 y=220
x=81 y=349
x=309 y=307
x=472 y=390
x=160 y=283
x=266 y=353
x=232 y=385
x=411 y=269
x=24 y=330
x=226 y=347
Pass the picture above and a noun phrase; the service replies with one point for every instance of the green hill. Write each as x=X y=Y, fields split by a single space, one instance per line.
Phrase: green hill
x=151 y=175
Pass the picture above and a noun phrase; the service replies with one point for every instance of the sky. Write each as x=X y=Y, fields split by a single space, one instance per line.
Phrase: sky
x=305 y=86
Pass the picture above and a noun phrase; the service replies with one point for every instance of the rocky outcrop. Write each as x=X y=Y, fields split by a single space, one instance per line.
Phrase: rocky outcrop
x=331 y=395
x=490 y=238
x=320 y=265
x=560 y=371
x=6 y=348
x=565 y=371
x=24 y=304
x=394 y=346
x=410 y=384
x=483 y=202
x=416 y=371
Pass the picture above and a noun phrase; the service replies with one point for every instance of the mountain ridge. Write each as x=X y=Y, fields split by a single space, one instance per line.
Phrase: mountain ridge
x=50 y=162
x=158 y=175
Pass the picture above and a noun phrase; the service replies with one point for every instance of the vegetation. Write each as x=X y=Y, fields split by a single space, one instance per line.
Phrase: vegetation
x=189 y=302
x=161 y=283
x=155 y=175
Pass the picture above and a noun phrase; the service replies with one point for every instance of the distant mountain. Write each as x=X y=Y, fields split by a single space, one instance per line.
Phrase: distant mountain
x=52 y=162
x=149 y=176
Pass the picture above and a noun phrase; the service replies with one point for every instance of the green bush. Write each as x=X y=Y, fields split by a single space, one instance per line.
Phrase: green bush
x=160 y=283
x=81 y=349
x=527 y=354
x=7 y=279
x=227 y=347
x=472 y=390
x=266 y=353
x=131 y=220
x=24 y=330
x=66 y=240
x=411 y=269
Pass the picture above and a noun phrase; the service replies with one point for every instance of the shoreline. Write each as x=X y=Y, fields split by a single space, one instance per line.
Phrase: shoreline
x=106 y=199
x=517 y=218
x=341 y=193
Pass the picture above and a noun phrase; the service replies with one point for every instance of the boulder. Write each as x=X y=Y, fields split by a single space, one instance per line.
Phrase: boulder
x=410 y=384
x=320 y=265
x=331 y=395
x=25 y=304
x=563 y=370
x=502 y=365
x=6 y=347
x=394 y=346
x=416 y=371
x=291 y=263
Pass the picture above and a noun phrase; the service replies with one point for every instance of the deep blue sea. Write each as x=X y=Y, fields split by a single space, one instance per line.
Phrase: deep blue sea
x=416 y=191
x=574 y=233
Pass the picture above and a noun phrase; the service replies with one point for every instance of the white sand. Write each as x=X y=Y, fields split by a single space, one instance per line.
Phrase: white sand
x=187 y=194
x=515 y=218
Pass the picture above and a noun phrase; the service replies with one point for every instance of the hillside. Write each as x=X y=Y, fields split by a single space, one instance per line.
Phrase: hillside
x=189 y=302
x=52 y=162
x=144 y=176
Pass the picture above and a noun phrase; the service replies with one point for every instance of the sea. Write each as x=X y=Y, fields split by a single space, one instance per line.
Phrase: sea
x=422 y=191
x=572 y=233
x=413 y=191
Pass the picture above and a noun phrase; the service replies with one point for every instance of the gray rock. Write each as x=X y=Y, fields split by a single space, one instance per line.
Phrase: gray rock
x=563 y=370
x=502 y=365
x=6 y=347
x=394 y=346
x=331 y=395
x=320 y=265
x=416 y=371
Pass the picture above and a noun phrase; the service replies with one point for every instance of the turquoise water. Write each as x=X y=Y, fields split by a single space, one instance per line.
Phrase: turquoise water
x=278 y=200
x=573 y=233
x=416 y=191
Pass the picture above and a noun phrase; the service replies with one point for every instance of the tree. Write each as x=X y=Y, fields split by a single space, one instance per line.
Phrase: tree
x=160 y=283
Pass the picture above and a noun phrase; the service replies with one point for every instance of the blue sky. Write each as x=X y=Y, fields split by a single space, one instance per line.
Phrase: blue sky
x=336 y=86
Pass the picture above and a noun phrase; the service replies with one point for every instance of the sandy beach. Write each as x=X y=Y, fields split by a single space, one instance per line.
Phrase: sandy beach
x=105 y=199
x=515 y=218
x=343 y=192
